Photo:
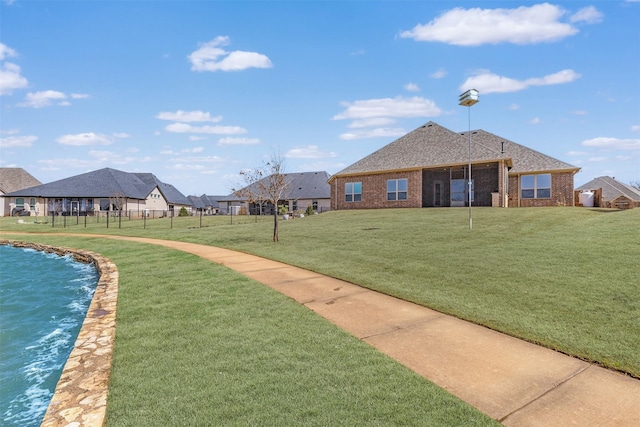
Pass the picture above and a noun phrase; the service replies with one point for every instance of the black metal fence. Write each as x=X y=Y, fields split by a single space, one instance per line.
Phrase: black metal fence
x=153 y=219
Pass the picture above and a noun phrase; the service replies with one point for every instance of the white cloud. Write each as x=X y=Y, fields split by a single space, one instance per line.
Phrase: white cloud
x=473 y=27
x=607 y=143
x=88 y=138
x=17 y=141
x=80 y=96
x=211 y=57
x=588 y=14
x=6 y=52
x=412 y=87
x=438 y=74
x=200 y=159
x=597 y=159
x=577 y=153
x=188 y=116
x=388 y=107
x=110 y=157
x=238 y=141
x=42 y=99
x=309 y=152
x=197 y=138
x=187 y=167
x=535 y=121
x=635 y=128
x=11 y=79
x=373 y=133
x=183 y=151
x=514 y=107
x=493 y=83
x=365 y=123
x=579 y=112
x=223 y=130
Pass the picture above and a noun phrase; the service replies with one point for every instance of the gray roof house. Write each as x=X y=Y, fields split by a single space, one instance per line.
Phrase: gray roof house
x=101 y=190
x=429 y=167
x=304 y=189
x=207 y=204
x=14 y=179
x=612 y=193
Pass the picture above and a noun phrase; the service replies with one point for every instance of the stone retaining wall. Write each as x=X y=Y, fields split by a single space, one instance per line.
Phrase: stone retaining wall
x=80 y=398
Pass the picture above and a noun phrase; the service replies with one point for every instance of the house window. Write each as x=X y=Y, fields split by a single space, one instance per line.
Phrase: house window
x=20 y=202
x=295 y=205
x=536 y=186
x=32 y=204
x=353 y=192
x=397 y=189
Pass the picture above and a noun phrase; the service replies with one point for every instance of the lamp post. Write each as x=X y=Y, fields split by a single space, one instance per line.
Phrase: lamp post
x=468 y=99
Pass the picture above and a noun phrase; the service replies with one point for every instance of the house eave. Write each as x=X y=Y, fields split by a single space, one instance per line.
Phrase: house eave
x=508 y=163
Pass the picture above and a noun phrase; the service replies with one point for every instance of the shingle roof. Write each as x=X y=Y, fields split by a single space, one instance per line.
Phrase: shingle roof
x=170 y=193
x=301 y=185
x=211 y=200
x=14 y=179
x=611 y=188
x=105 y=183
x=432 y=145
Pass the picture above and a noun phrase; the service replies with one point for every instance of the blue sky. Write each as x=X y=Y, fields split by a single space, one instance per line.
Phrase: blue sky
x=196 y=91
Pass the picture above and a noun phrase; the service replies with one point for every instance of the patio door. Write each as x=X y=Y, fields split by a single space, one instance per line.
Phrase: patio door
x=459 y=194
x=437 y=193
x=75 y=207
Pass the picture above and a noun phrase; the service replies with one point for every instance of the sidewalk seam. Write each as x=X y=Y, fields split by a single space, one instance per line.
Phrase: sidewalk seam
x=551 y=389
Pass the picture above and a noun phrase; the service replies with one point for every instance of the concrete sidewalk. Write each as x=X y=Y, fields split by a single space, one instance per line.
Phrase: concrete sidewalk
x=515 y=382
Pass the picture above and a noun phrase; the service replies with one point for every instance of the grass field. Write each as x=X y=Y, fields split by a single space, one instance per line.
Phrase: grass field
x=199 y=345
x=566 y=278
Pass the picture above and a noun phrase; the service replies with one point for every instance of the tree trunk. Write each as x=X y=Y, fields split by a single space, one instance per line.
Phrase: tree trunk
x=275 y=226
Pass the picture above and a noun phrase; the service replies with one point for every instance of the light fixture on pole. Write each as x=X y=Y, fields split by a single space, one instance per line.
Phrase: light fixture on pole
x=468 y=99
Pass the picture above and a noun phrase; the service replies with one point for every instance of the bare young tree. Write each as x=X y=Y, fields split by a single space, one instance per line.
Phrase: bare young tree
x=266 y=184
x=118 y=201
x=635 y=184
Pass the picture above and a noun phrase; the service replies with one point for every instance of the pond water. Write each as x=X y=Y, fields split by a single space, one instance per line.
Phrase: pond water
x=43 y=301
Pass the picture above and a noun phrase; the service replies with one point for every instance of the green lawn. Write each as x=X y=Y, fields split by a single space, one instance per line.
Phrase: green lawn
x=567 y=278
x=198 y=345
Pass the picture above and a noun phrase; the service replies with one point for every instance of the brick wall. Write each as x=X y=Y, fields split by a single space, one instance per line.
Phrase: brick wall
x=561 y=192
x=374 y=191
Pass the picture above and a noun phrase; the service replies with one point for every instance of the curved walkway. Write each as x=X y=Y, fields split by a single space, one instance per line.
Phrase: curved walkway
x=513 y=381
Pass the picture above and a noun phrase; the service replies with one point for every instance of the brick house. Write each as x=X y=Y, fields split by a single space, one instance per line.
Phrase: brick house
x=429 y=167
x=304 y=189
x=14 y=179
x=104 y=190
x=612 y=193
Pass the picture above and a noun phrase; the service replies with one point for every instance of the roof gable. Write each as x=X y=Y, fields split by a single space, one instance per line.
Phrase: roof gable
x=170 y=193
x=300 y=185
x=432 y=145
x=524 y=159
x=14 y=179
x=611 y=189
x=103 y=183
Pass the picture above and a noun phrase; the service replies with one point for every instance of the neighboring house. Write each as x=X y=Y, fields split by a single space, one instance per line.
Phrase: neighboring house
x=429 y=167
x=303 y=189
x=611 y=193
x=14 y=179
x=105 y=190
x=207 y=205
